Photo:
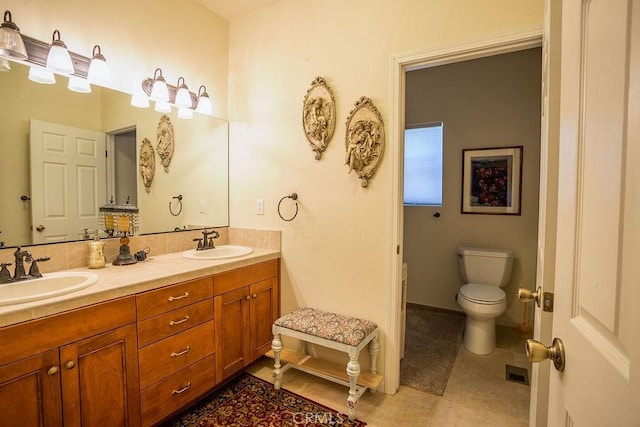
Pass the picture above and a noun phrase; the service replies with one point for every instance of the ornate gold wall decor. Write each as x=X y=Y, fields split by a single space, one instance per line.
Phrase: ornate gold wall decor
x=147 y=164
x=165 y=141
x=319 y=115
x=364 y=139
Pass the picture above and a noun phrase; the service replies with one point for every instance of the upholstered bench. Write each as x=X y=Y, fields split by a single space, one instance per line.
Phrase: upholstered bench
x=336 y=331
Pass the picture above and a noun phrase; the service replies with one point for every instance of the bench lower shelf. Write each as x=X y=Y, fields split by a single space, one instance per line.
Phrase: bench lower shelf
x=325 y=369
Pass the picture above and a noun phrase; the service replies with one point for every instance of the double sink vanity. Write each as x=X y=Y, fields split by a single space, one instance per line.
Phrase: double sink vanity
x=137 y=344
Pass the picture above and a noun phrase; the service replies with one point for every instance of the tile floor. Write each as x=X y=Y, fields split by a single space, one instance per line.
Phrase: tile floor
x=477 y=392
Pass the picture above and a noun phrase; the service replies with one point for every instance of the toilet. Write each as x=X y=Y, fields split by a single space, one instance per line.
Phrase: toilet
x=484 y=272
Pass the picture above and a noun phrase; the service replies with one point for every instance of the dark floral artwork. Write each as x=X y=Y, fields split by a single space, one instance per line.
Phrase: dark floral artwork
x=492 y=180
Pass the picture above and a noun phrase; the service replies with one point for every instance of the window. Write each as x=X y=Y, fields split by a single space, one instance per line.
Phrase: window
x=423 y=165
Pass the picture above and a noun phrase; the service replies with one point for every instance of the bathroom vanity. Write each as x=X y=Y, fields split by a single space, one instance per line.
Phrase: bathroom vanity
x=141 y=344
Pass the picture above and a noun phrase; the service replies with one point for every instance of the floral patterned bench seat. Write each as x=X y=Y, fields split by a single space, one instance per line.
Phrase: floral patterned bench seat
x=337 y=331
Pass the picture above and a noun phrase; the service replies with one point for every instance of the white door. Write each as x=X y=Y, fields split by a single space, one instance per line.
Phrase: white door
x=597 y=277
x=68 y=181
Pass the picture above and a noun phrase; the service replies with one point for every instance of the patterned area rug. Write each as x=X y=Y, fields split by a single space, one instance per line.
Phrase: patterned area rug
x=250 y=401
x=433 y=337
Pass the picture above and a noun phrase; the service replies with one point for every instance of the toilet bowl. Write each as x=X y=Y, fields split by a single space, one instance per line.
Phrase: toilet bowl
x=484 y=271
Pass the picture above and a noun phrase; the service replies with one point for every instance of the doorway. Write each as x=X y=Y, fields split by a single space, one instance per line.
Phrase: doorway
x=121 y=166
x=504 y=43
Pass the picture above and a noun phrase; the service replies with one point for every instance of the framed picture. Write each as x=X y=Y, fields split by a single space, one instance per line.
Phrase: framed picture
x=492 y=180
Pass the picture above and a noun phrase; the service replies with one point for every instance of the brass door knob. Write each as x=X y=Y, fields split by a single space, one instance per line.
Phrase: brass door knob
x=525 y=295
x=40 y=228
x=537 y=352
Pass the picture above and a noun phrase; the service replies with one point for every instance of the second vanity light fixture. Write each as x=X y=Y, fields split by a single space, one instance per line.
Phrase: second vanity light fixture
x=165 y=95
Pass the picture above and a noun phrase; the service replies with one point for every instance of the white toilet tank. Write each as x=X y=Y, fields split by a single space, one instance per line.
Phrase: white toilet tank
x=485 y=266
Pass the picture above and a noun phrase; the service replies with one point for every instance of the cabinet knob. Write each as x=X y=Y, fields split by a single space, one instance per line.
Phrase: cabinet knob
x=254 y=296
x=52 y=371
x=70 y=364
x=248 y=297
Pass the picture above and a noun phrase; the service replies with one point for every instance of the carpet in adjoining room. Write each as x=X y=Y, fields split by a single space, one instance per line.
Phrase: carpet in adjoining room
x=432 y=339
x=250 y=401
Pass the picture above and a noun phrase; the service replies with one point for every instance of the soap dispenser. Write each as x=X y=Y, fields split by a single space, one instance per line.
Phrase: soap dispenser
x=96 y=252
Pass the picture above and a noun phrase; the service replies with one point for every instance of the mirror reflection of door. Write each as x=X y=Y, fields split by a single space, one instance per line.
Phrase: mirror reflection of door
x=125 y=171
x=67 y=181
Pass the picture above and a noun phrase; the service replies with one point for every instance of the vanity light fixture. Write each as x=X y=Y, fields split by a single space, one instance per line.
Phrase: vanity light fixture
x=204 y=102
x=159 y=91
x=162 y=107
x=185 y=113
x=4 y=65
x=139 y=98
x=78 y=84
x=183 y=97
x=58 y=59
x=11 y=43
x=98 y=69
x=41 y=75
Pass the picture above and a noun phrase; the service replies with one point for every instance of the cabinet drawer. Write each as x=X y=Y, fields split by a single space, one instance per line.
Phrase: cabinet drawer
x=177 y=391
x=234 y=279
x=159 y=360
x=158 y=301
x=174 y=322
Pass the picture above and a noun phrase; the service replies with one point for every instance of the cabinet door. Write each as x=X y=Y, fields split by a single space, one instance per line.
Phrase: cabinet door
x=232 y=331
x=100 y=380
x=30 y=391
x=263 y=312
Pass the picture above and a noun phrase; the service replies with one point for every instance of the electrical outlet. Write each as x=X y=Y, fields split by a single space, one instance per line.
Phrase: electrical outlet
x=260 y=207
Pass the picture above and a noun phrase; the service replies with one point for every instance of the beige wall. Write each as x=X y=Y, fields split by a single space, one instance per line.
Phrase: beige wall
x=488 y=102
x=336 y=250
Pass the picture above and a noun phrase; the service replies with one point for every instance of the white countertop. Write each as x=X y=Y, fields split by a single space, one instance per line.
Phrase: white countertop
x=118 y=281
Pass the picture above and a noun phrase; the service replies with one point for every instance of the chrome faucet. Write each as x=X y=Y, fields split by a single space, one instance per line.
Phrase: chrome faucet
x=19 y=272
x=207 y=242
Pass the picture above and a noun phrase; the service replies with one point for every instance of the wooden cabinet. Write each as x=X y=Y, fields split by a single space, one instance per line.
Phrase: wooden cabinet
x=76 y=368
x=246 y=304
x=176 y=338
x=140 y=359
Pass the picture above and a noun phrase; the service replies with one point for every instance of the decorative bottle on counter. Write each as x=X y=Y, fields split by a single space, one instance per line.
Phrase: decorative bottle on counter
x=96 y=253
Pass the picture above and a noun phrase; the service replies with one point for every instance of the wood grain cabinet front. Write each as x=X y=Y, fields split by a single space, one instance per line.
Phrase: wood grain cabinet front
x=176 y=337
x=74 y=369
x=245 y=312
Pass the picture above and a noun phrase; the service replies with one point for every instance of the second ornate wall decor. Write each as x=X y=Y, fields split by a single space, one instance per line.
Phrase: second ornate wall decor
x=147 y=164
x=319 y=115
x=364 y=139
x=165 y=141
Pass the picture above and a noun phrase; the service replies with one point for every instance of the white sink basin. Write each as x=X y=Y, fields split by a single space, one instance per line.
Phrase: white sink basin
x=219 y=252
x=49 y=285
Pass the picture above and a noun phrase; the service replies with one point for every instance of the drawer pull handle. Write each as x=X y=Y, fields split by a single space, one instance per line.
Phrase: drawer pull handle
x=186 y=294
x=182 y=390
x=177 y=322
x=185 y=351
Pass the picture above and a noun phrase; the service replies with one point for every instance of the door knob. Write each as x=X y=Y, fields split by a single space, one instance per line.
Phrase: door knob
x=40 y=228
x=525 y=295
x=537 y=352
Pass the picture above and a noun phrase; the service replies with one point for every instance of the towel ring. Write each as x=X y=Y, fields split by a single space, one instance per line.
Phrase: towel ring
x=294 y=197
x=179 y=198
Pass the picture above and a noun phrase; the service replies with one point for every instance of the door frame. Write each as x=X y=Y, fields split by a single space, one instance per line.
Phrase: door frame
x=496 y=44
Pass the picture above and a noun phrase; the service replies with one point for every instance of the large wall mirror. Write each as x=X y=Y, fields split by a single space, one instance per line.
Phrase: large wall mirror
x=198 y=171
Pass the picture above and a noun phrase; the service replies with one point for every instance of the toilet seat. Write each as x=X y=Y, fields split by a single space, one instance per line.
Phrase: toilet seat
x=482 y=294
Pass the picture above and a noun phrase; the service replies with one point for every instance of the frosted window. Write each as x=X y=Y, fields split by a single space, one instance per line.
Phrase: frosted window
x=423 y=165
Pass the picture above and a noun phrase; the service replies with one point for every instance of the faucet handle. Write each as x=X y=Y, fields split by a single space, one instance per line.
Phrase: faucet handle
x=199 y=243
x=5 y=276
x=34 y=270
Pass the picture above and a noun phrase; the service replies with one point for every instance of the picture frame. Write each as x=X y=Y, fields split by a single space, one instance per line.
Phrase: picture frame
x=492 y=180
